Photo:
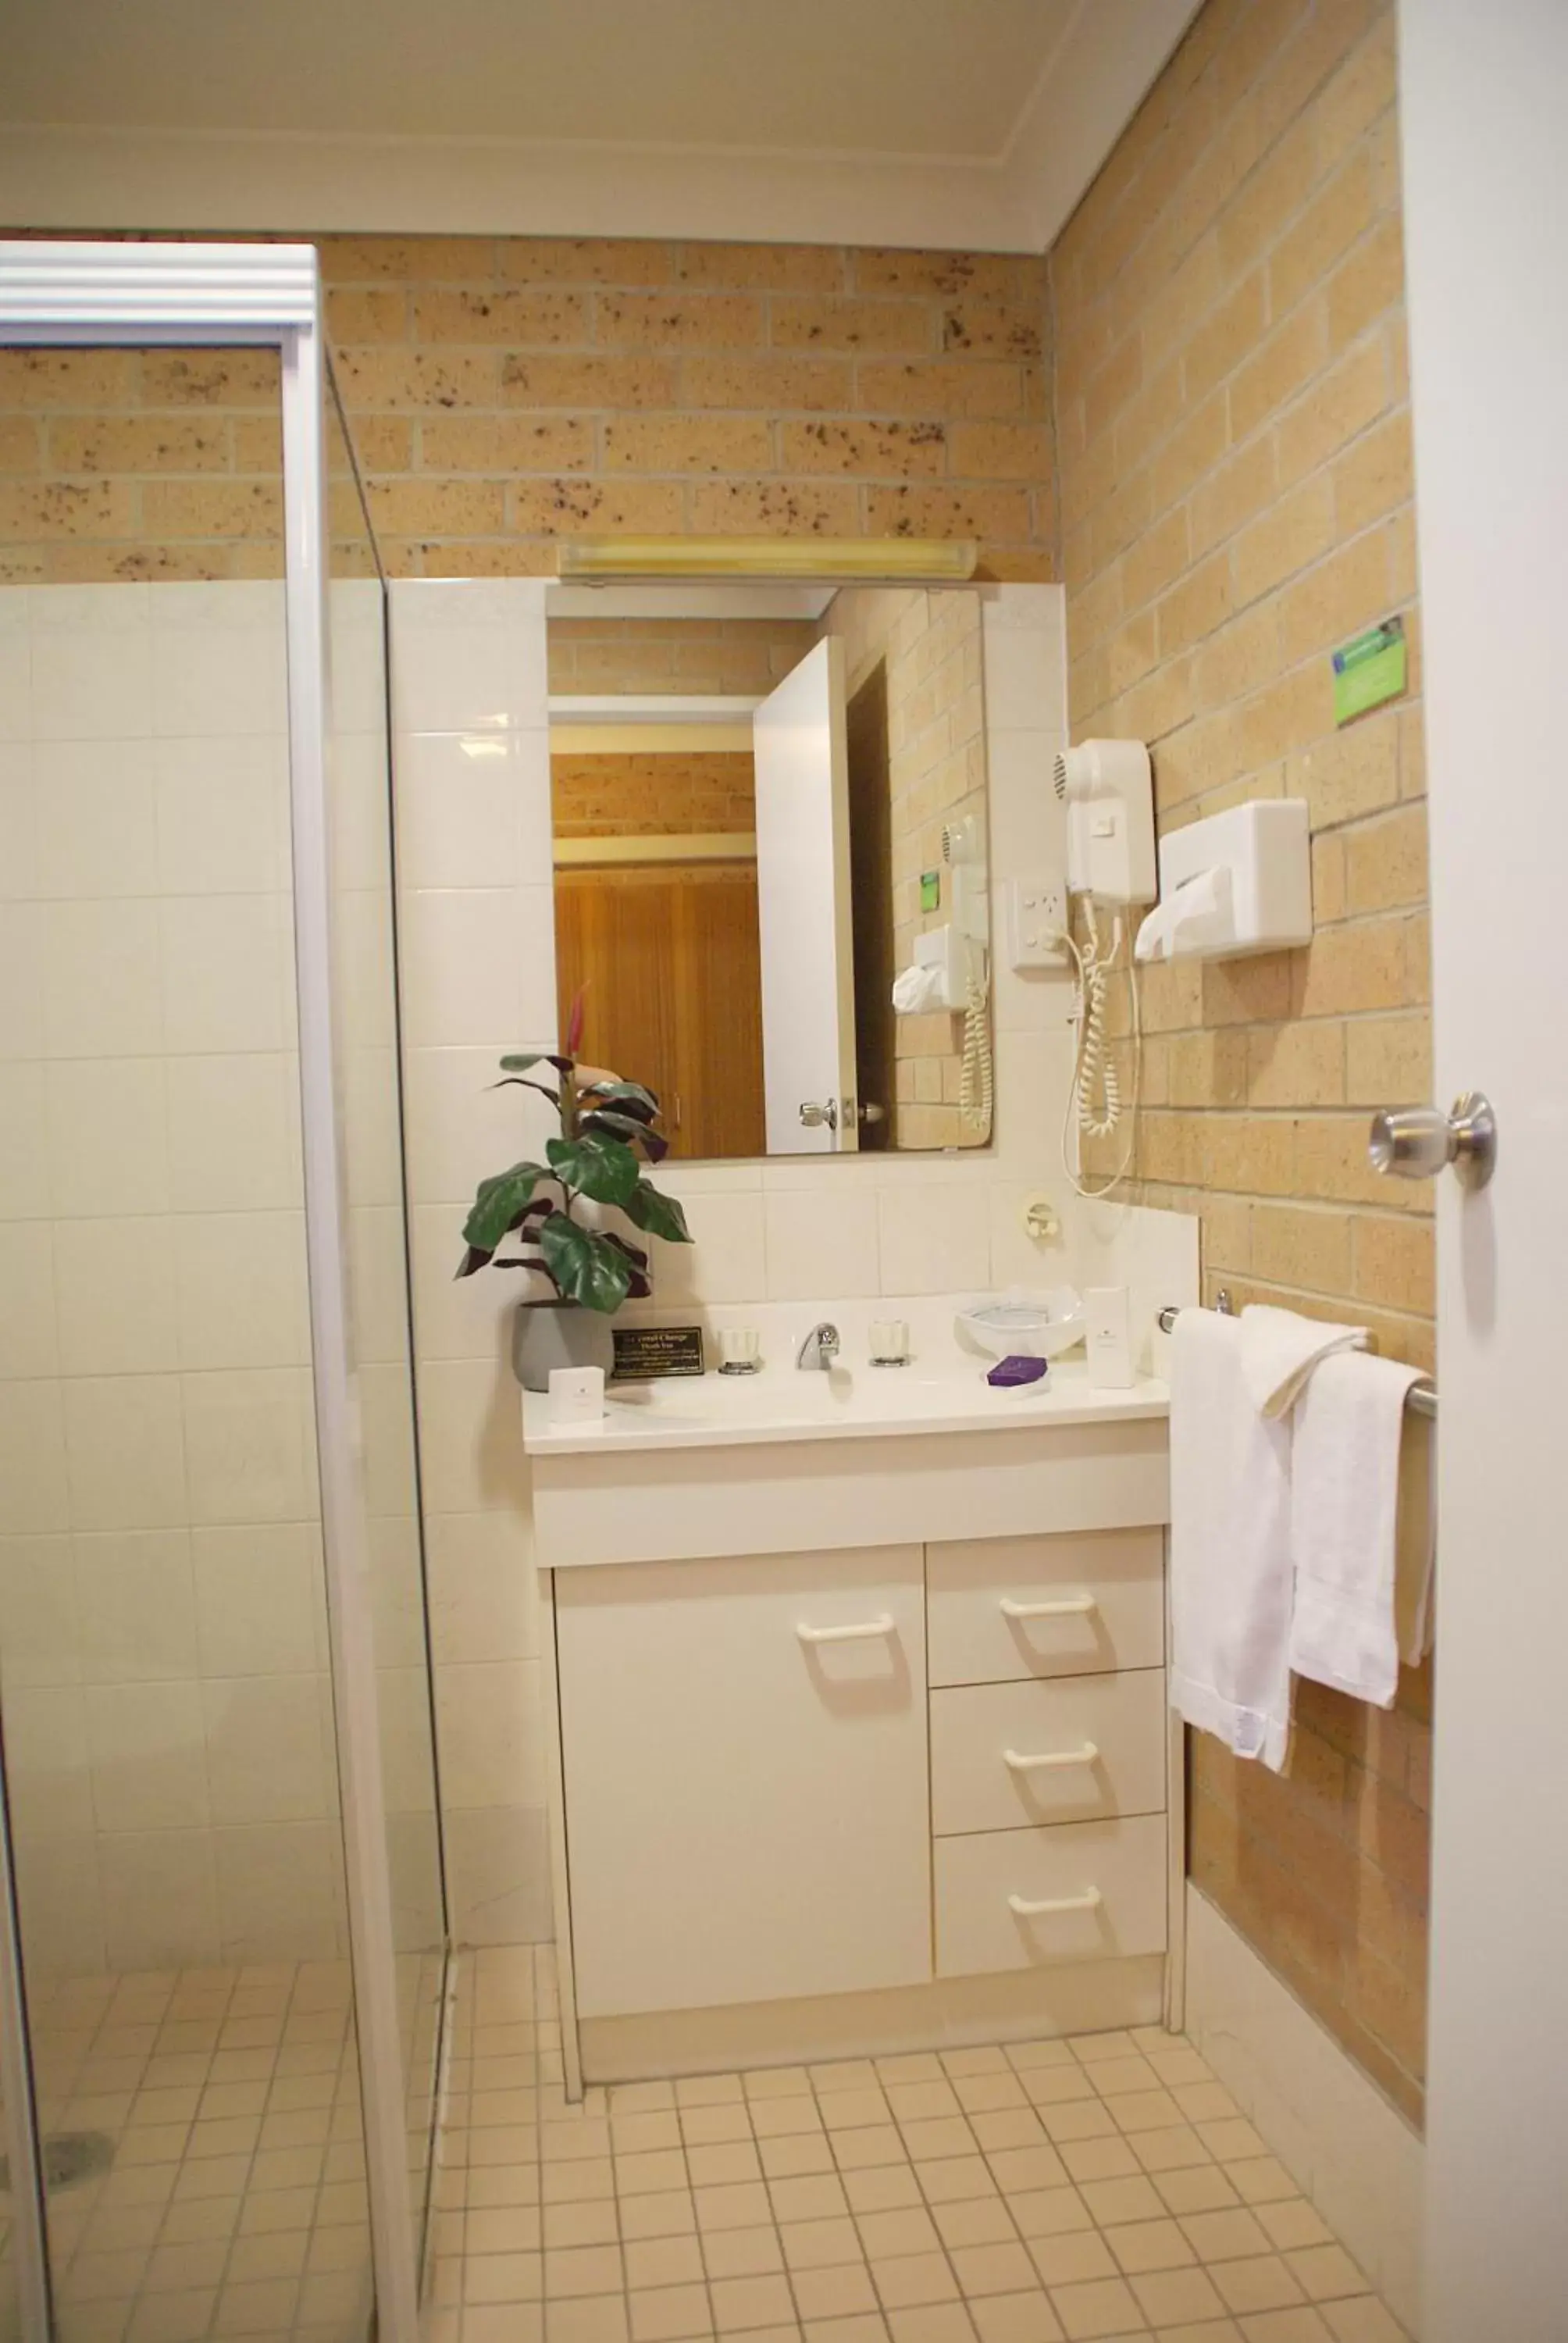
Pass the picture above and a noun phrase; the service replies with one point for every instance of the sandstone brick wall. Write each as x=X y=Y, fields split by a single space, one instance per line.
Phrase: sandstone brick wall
x=675 y=654
x=644 y=793
x=1233 y=440
x=505 y=391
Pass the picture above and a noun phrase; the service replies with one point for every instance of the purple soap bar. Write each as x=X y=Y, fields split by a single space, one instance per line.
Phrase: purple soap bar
x=1009 y=1372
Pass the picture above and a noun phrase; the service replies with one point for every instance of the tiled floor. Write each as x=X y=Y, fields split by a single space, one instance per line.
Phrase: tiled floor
x=1105 y=2187
x=235 y=2204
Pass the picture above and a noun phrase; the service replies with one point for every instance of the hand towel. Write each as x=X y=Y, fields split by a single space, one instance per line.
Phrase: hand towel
x=1415 y=1539
x=1344 y=1502
x=1280 y=1349
x=1230 y=1546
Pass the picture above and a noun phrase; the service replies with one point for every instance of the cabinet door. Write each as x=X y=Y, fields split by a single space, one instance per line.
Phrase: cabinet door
x=746 y=1783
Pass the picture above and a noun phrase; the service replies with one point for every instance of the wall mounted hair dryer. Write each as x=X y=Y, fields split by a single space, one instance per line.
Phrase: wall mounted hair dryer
x=1109 y=790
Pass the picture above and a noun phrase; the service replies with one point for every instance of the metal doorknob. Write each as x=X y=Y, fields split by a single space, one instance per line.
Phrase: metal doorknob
x=1415 y=1142
x=814 y=1114
x=871 y=1112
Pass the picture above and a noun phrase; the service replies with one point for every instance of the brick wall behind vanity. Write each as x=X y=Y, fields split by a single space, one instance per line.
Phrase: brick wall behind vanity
x=507 y=391
x=1234 y=476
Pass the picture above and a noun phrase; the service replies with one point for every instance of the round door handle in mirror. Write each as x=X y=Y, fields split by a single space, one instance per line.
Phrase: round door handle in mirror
x=1415 y=1142
x=871 y=1112
x=818 y=1114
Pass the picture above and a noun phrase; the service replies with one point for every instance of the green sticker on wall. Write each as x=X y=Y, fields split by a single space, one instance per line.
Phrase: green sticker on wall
x=930 y=890
x=1369 y=670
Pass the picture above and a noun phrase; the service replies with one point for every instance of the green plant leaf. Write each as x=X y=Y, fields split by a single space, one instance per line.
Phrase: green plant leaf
x=597 y=1167
x=623 y=1127
x=632 y=1098
x=660 y=1215
x=585 y=1267
x=521 y=1082
x=515 y=1064
x=498 y=1203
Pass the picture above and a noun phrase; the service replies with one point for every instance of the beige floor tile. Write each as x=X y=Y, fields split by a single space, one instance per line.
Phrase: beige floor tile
x=813 y=2245
x=1324 y=2272
x=1149 y=2245
x=1050 y=2212
x=1171 y=2148
x=811 y=2196
x=1201 y=2188
x=778 y=2118
x=1016 y=2318
x=910 y=2067
x=993 y=2270
x=633 y=2134
x=1072 y=2258
x=664 y=2213
x=571 y=2142
x=1007 y=2127
x=721 y=2167
x=743 y=2206
x=741 y=2305
x=1094 y=2050
x=1362 y=2319
x=578 y=2184
x=853 y=2110
x=1180 y=2297
x=873 y=2144
x=975 y=2221
x=712 y=2127
x=1228 y=2141
x=886 y=2236
x=951 y=2178
x=1099 y=2159
x=882 y=2188
x=584 y=2269
x=1260 y=2180
x=844 y=2291
x=667 y=2313
x=868 y=2327
x=922 y=2102
x=1260 y=2282
x=910 y=2279
x=742 y=2253
x=640 y=2098
x=707 y=2090
x=1105 y=2307
x=586 y=2318
x=1051 y=2087
x=594 y=2224
x=776 y=2083
x=1112 y=2201
x=799 y=2153
x=1018 y=2168
x=843 y=2075
x=664 y=2262
x=1302 y=2325
x=1089 y=2118
x=654 y=2169
x=1144 y=2110
x=504 y=2277
x=930 y=2136
x=1292 y=2223
x=937 y=2322
x=1224 y=2235
x=1029 y=2056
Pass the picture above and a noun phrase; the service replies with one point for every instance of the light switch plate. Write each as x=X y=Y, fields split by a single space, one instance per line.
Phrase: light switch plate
x=1036 y=912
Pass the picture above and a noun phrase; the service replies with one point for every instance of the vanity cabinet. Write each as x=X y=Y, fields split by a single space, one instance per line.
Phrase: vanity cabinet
x=745 y=1767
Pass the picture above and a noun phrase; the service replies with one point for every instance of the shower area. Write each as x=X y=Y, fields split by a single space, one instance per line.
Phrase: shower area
x=222 y=1937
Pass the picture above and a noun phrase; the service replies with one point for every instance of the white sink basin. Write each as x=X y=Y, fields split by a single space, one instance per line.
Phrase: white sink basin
x=787 y=1403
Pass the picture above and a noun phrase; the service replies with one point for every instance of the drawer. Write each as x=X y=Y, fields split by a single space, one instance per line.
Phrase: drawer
x=1006 y=1756
x=1080 y=1604
x=1107 y=1881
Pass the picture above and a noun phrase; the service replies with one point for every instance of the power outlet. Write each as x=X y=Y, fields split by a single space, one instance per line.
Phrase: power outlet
x=1036 y=917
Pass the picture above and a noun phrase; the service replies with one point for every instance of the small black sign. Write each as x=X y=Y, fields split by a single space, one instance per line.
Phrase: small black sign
x=643 y=1352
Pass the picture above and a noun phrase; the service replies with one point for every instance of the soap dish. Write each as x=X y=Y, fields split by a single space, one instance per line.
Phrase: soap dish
x=1020 y=1323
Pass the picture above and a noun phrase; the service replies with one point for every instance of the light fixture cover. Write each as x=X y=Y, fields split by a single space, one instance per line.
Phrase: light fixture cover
x=941 y=560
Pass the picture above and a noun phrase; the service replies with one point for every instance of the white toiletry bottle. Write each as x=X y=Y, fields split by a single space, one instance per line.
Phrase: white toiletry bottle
x=1108 y=1337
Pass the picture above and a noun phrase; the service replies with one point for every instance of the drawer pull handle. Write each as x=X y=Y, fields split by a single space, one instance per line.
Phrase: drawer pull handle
x=857 y=1635
x=1090 y=1901
x=1088 y=1756
x=1067 y=1606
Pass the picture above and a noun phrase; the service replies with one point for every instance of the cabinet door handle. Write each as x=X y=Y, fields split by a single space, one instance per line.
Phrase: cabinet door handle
x=856 y=1634
x=1088 y=1756
x=1090 y=1901
x=1065 y=1606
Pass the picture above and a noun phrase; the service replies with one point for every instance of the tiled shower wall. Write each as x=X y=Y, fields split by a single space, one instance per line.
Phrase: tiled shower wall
x=475 y=864
x=162 y=1634
x=1234 y=452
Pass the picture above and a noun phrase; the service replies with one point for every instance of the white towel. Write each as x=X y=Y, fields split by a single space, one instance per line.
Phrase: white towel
x=1415 y=1539
x=1280 y=1350
x=1343 y=1511
x=1230 y=1546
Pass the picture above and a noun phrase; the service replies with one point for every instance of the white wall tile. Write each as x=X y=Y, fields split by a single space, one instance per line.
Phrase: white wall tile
x=159 y=1899
x=92 y=682
x=377 y=1294
x=357 y=655
x=116 y=1283
x=398 y=1621
x=820 y=1244
x=1017 y=1258
x=40 y=1619
x=149 y=1764
x=100 y=979
x=358 y=809
x=59 y=1890
x=264 y=1758
x=228 y=974
x=933 y=1239
x=367 y=1103
x=458 y=1318
x=240 y=1288
x=234 y=1135
x=281 y=1893
x=222 y=816
x=22 y=950
x=96 y=819
x=138 y=1606
x=16 y=666
x=484 y=1601
x=250 y=1452
x=462 y=1127
x=18 y=820
x=87 y=1098
x=469 y=1418
x=32 y=1481
x=47 y=1766
x=29 y=1339
x=24 y=1144
x=727 y=1260
x=407 y=1770
x=260 y=1599
x=486 y=1714
x=461 y=970
x=469 y=655
x=126 y=1453
x=460 y=807
x=363 y=987
x=498 y=1863
x=212 y=681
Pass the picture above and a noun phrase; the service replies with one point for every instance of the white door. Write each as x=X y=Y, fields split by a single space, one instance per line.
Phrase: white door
x=802 y=761
x=744 y=1750
x=1483 y=98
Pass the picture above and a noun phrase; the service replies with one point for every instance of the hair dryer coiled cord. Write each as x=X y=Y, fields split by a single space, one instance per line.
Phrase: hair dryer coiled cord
x=975 y=1081
x=1094 y=1098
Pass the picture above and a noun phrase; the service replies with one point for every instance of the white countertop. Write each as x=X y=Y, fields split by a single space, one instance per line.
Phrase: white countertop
x=785 y=1403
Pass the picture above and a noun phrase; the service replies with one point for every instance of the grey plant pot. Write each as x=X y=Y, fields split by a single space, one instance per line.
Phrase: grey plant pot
x=546 y=1334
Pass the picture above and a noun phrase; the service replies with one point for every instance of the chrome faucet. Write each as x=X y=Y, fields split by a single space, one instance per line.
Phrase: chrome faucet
x=820 y=1349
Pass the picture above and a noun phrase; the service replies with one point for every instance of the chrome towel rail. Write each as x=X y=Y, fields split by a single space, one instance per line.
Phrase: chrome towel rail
x=1421 y=1399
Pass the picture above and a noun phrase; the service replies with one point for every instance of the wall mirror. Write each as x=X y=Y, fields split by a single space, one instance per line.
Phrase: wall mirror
x=770 y=858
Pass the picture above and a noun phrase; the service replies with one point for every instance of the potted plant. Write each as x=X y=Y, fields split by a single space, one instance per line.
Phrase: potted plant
x=587 y=1271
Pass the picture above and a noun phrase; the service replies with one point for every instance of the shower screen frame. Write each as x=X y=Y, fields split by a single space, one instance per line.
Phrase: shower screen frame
x=269 y=295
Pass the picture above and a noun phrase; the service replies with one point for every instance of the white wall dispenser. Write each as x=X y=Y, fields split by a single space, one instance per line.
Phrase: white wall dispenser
x=1240 y=882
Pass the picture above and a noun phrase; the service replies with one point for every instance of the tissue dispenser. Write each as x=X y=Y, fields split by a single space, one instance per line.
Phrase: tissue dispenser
x=1240 y=882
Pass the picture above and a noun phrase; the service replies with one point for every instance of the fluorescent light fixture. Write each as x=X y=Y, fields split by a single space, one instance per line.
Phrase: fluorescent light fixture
x=906 y=561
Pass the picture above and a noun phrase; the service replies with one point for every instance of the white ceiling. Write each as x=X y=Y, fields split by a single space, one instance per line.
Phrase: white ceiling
x=946 y=122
